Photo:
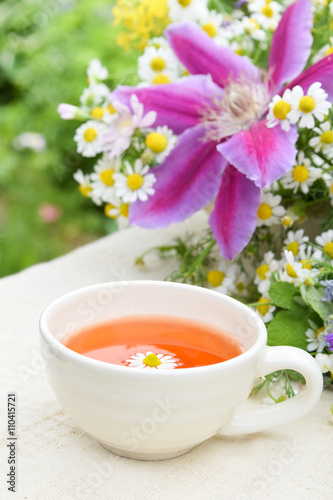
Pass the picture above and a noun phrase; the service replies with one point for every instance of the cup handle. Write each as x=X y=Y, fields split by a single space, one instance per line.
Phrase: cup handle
x=263 y=418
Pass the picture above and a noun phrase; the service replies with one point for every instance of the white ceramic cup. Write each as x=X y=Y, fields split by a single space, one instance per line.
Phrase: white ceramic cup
x=159 y=414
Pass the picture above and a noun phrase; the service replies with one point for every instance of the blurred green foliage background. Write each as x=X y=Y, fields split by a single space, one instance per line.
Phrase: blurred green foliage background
x=45 y=48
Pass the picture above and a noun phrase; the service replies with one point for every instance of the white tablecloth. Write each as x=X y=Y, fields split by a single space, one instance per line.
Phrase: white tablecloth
x=58 y=461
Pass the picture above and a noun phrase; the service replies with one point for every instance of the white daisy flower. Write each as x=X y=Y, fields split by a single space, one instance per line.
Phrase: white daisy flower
x=120 y=132
x=315 y=337
x=265 y=271
x=295 y=240
x=211 y=23
x=160 y=142
x=328 y=179
x=30 y=140
x=85 y=186
x=325 y=240
x=94 y=95
x=242 y=282
x=223 y=279
x=293 y=271
x=279 y=108
x=152 y=361
x=252 y=28
x=270 y=211
x=156 y=63
x=325 y=51
x=182 y=10
x=118 y=210
x=308 y=107
x=158 y=42
x=324 y=140
x=135 y=184
x=102 y=180
x=301 y=176
x=267 y=14
x=106 y=114
x=89 y=138
x=264 y=309
x=306 y=254
x=289 y=219
x=96 y=72
x=325 y=362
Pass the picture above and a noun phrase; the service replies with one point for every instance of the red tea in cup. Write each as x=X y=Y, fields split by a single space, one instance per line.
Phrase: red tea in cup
x=155 y=342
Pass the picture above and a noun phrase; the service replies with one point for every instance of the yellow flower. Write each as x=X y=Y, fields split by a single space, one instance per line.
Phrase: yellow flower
x=140 y=20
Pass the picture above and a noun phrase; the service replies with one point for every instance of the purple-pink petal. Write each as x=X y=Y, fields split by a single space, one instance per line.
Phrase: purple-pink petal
x=321 y=72
x=233 y=220
x=262 y=154
x=201 y=56
x=177 y=105
x=291 y=44
x=186 y=182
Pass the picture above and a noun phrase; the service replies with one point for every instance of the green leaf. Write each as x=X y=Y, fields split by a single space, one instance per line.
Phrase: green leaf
x=282 y=294
x=313 y=297
x=288 y=328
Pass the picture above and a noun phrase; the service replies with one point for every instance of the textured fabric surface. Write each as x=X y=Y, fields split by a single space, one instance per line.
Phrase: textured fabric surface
x=58 y=461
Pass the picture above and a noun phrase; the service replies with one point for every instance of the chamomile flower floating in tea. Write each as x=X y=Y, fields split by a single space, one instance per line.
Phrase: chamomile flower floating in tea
x=152 y=361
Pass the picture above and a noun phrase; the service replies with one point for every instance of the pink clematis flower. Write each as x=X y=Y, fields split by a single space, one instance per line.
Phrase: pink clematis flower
x=225 y=150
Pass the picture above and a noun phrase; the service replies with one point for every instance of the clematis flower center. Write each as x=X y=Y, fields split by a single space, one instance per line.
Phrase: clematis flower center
x=293 y=248
x=264 y=211
x=134 y=181
x=307 y=104
x=85 y=190
x=262 y=271
x=156 y=142
x=210 y=29
x=106 y=176
x=184 y=3
x=281 y=109
x=327 y=137
x=291 y=271
x=90 y=135
x=328 y=248
x=215 y=278
x=157 y=64
x=151 y=360
x=300 y=173
x=243 y=103
x=160 y=79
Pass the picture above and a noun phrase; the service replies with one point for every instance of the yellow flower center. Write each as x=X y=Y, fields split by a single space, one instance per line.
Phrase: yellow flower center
x=215 y=278
x=264 y=211
x=160 y=79
x=240 y=286
x=262 y=271
x=328 y=248
x=98 y=113
x=264 y=308
x=281 y=109
x=156 y=142
x=306 y=264
x=329 y=51
x=108 y=207
x=90 y=134
x=85 y=190
x=307 y=104
x=152 y=360
x=157 y=64
x=319 y=331
x=239 y=51
x=293 y=248
x=123 y=209
x=106 y=176
x=134 y=181
x=210 y=29
x=287 y=221
x=327 y=137
x=332 y=188
x=125 y=123
x=267 y=11
x=255 y=23
x=184 y=3
x=111 y=109
x=300 y=173
x=291 y=271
